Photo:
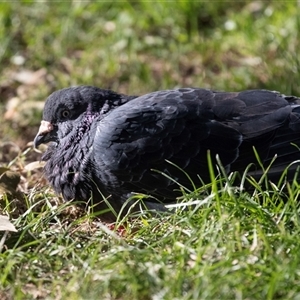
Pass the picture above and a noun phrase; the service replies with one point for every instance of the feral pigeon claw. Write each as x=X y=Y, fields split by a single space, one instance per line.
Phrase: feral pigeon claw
x=109 y=145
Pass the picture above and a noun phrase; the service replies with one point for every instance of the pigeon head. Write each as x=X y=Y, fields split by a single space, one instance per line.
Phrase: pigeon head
x=64 y=107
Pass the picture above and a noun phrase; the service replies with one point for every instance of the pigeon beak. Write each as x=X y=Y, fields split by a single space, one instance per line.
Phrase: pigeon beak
x=45 y=134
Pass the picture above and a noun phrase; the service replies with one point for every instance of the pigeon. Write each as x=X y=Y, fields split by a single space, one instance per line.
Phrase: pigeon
x=106 y=147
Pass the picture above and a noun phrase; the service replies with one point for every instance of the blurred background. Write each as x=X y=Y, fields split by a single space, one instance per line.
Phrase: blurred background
x=135 y=47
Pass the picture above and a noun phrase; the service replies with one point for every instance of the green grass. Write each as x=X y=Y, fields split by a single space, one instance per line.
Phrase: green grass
x=228 y=247
x=230 y=244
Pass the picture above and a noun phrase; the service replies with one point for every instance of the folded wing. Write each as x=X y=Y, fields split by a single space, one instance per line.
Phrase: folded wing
x=135 y=142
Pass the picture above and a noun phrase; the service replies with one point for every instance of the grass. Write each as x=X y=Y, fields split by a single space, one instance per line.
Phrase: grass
x=230 y=244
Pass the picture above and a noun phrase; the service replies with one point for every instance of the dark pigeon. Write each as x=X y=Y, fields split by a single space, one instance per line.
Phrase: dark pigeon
x=109 y=145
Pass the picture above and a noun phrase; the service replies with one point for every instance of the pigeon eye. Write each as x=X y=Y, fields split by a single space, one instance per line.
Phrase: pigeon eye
x=65 y=113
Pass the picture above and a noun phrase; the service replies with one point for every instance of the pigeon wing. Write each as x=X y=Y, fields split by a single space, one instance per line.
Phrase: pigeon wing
x=136 y=142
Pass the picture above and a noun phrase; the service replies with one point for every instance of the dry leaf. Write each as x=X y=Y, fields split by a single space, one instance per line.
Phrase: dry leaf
x=29 y=77
x=34 y=165
x=6 y=225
